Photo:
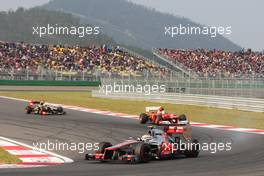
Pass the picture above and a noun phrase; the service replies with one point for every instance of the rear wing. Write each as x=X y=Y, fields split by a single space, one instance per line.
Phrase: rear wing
x=152 y=108
x=34 y=102
x=175 y=129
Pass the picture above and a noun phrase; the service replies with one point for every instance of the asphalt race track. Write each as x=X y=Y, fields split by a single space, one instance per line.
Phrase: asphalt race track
x=245 y=158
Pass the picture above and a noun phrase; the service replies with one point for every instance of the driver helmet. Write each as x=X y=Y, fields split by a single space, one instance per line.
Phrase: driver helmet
x=41 y=103
x=161 y=109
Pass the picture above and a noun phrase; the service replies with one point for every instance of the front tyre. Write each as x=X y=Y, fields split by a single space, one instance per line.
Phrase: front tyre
x=143 y=152
x=194 y=151
x=143 y=118
x=28 y=110
x=102 y=146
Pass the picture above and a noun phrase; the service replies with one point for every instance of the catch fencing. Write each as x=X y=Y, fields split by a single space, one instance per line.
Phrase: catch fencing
x=247 y=88
x=247 y=104
x=252 y=87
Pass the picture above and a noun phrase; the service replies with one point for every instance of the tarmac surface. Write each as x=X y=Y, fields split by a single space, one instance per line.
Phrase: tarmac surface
x=245 y=158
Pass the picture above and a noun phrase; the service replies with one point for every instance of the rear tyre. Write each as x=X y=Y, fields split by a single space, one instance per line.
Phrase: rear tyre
x=142 y=151
x=60 y=109
x=194 y=151
x=143 y=118
x=86 y=157
x=182 y=117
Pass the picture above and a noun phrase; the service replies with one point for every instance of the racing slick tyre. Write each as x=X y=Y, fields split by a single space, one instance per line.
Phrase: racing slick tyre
x=60 y=109
x=158 y=119
x=194 y=151
x=143 y=150
x=28 y=110
x=47 y=110
x=102 y=146
x=182 y=117
x=143 y=118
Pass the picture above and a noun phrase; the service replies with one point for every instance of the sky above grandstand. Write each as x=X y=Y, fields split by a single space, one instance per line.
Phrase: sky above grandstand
x=245 y=17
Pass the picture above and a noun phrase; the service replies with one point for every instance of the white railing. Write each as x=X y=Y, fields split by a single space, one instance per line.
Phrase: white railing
x=247 y=104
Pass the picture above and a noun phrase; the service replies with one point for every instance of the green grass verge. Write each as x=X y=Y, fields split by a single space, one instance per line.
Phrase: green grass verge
x=194 y=113
x=6 y=158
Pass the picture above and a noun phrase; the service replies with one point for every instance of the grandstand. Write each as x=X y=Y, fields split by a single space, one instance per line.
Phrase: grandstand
x=200 y=71
x=216 y=63
x=120 y=61
x=33 y=58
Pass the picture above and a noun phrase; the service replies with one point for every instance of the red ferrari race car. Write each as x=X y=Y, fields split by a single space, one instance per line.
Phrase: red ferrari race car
x=156 y=115
x=41 y=108
x=164 y=143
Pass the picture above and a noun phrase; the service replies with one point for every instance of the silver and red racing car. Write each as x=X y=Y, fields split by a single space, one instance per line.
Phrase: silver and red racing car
x=169 y=142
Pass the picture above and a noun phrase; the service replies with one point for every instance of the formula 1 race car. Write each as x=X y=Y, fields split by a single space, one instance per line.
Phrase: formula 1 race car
x=153 y=116
x=39 y=107
x=168 y=143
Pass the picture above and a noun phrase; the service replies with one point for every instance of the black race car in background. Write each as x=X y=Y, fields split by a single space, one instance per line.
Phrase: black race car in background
x=41 y=108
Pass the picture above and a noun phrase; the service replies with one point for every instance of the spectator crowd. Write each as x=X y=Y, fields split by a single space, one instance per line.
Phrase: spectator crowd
x=114 y=60
x=216 y=63
x=22 y=56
